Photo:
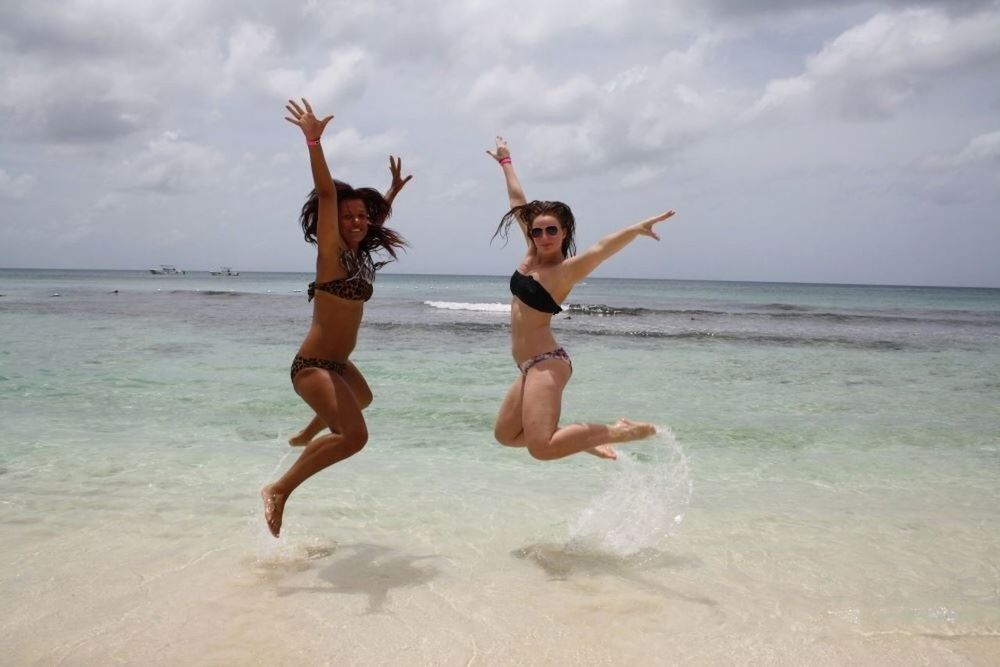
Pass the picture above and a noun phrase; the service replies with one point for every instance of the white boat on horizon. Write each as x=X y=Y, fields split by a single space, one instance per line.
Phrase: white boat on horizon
x=225 y=271
x=166 y=270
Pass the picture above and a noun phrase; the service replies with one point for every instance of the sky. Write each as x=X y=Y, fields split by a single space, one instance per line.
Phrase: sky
x=842 y=142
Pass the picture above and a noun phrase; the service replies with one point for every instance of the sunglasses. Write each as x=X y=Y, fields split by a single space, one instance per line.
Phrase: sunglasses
x=536 y=232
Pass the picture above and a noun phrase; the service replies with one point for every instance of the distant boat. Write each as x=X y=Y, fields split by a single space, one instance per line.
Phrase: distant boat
x=166 y=270
x=225 y=271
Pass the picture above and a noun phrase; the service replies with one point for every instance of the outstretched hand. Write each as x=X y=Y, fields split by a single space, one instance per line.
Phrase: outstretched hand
x=304 y=118
x=645 y=228
x=396 y=169
x=501 y=152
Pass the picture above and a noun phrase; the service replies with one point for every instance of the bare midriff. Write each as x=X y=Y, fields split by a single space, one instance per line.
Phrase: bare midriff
x=530 y=332
x=334 y=330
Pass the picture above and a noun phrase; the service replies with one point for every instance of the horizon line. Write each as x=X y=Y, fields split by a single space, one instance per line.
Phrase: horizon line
x=492 y=275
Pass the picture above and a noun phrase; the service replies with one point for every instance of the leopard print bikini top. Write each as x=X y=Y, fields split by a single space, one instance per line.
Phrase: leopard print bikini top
x=357 y=286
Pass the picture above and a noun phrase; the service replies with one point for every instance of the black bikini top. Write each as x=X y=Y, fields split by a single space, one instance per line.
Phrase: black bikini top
x=356 y=287
x=531 y=293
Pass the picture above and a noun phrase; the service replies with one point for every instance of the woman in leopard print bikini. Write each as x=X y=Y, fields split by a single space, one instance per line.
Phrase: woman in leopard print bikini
x=347 y=226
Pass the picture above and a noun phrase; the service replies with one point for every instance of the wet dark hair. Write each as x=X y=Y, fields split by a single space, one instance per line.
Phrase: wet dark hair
x=379 y=237
x=528 y=212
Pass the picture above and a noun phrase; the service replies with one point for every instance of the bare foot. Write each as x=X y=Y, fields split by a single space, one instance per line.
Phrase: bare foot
x=603 y=452
x=300 y=440
x=626 y=430
x=274 y=507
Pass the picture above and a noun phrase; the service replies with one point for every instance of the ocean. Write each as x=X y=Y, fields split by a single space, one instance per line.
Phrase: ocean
x=823 y=490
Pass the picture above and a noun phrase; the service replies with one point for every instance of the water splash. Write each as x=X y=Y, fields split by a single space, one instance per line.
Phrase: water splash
x=644 y=505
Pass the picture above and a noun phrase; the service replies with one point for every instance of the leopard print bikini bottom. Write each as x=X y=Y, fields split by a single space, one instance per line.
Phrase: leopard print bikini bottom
x=301 y=362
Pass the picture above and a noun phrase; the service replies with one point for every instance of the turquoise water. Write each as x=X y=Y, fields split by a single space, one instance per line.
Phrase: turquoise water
x=826 y=491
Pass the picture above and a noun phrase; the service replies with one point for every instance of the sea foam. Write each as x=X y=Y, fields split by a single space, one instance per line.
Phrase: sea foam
x=478 y=307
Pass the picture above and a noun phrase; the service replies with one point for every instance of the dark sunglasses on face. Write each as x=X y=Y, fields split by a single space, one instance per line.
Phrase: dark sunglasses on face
x=551 y=230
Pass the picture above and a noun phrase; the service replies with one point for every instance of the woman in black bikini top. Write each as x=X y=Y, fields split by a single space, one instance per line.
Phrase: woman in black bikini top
x=529 y=414
x=347 y=227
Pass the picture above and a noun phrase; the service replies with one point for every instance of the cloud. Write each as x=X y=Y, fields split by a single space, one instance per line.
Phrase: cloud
x=481 y=27
x=249 y=47
x=160 y=112
x=767 y=15
x=81 y=29
x=169 y=165
x=15 y=187
x=638 y=116
x=77 y=105
x=981 y=150
x=349 y=145
x=872 y=69
x=523 y=94
x=253 y=61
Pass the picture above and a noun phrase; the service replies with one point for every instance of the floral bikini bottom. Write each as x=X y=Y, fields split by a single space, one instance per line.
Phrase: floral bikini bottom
x=558 y=353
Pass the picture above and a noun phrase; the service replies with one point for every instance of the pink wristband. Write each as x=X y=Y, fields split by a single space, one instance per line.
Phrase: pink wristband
x=312 y=142
x=505 y=160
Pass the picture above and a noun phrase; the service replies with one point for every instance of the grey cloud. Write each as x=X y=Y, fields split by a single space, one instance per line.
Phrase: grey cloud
x=170 y=164
x=15 y=187
x=650 y=112
x=70 y=105
x=875 y=67
x=766 y=8
x=82 y=121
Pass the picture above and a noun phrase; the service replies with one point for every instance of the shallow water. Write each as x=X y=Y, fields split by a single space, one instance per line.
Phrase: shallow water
x=827 y=492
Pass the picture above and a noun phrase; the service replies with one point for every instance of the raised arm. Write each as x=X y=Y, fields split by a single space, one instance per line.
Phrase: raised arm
x=327 y=230
x=582 y=265
x=515 y=193
x=396 y=169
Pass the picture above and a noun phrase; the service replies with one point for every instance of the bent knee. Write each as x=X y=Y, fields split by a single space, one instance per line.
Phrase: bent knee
x=506 y=436
x=540 y=449
x=356 y=438
x=542 y=453
x=363 y=397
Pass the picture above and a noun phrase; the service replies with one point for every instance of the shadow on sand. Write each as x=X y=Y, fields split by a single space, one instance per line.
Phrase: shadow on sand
x=560 y=561
x=371 y=570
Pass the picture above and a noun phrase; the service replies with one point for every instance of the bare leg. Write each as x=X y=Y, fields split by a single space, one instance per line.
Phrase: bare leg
x=362 y=394
x=331 y=398
x=306 y=435
x=509 y=429
x=542 y=406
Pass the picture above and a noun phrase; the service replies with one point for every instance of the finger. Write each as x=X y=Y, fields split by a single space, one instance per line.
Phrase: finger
x=306 y=105
x=325 y=121
x=407 y=179
x=293 y=121
x=297 y=108
x=292 y=111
